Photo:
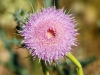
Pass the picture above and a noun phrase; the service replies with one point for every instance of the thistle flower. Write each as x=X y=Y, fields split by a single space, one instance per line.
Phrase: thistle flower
x=49 y=34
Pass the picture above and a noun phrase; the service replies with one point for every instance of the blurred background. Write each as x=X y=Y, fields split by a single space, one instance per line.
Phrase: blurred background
x=16 y=61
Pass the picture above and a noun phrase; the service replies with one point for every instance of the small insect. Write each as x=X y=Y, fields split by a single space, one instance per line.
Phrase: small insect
x=19 y=26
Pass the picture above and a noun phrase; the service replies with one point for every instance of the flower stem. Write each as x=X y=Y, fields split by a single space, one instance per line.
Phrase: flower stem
x=44 y=68
x=76 y=62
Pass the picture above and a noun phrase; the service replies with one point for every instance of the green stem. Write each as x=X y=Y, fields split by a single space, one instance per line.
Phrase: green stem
x=76 y=62
x=44 y=68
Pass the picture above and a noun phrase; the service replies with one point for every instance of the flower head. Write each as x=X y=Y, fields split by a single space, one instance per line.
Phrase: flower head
x=49 y=34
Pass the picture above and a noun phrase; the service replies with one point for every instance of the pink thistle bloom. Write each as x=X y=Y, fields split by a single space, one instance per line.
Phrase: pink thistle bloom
x=49 y=34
